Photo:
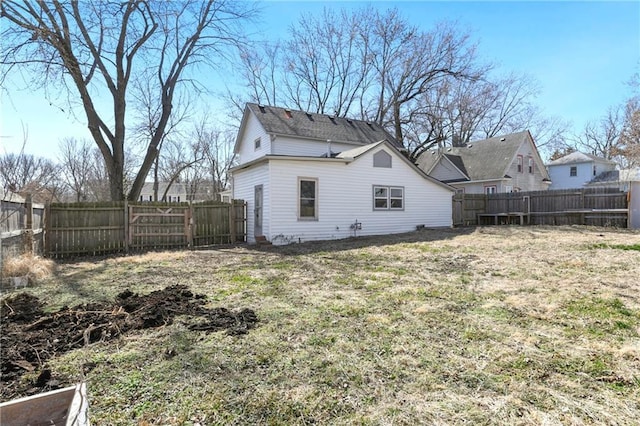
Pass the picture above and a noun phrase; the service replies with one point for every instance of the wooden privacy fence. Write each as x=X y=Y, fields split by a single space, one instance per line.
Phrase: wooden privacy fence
x=589 y=206
x=104 y=228
x=21 y=225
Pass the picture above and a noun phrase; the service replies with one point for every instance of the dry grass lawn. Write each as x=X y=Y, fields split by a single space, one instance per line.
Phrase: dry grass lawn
x=491 y=325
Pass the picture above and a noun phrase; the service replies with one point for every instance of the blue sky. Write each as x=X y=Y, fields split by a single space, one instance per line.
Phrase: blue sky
x=582 y=54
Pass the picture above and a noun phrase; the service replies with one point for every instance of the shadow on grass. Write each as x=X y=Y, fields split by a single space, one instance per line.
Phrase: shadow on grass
x=310 y=247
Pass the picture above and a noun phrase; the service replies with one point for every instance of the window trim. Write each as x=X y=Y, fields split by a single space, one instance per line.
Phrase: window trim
x=531 y=165
x=388 y=198
x=495 y=189
x=573 y=171
x=520 y=164
x=315 y=199
x=257 y=143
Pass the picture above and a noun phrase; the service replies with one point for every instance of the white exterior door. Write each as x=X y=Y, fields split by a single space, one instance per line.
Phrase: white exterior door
x=257 y=211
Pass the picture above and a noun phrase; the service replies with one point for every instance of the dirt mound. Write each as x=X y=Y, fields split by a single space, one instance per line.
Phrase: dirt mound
x=30 y=336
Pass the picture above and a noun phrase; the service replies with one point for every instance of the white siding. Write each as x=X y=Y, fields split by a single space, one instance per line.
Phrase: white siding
x=306 y=148
x=560 y=174
x=524 y=180
x=244 y=182
x=345 y=194
x=252 y=131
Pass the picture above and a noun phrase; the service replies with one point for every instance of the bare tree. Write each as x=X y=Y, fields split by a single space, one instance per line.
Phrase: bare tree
x=629 y=143
x=328 y=62
x=218 y=156
x=27 y=174
x=602 y=137
x=77 y=166
x=148 y=112
x=202 y=163
x=87 y=46
x=427 y=88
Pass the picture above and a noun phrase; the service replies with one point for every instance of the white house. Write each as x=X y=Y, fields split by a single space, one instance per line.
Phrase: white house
x=317 y=177
x=180 y=192
x=508 y=163
x=577 y=169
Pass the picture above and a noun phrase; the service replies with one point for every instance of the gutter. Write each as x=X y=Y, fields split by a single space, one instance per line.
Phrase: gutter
x=266 y=158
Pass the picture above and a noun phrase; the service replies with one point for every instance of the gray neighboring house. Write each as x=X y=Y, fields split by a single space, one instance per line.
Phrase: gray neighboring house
x=509 y=163
x=577 y=169
x=621 y=179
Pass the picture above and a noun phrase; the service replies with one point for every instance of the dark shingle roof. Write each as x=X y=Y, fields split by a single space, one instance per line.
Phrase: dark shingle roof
x=624 y=175
x=287 y=122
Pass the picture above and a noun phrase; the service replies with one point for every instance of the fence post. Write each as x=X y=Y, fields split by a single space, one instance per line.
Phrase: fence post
x=189 y=225
x=232 y=221
x=28 y=231
x=126 y=226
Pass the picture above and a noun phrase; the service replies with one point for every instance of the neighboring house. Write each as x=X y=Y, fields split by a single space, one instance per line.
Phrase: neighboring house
x=577 y=169
x=311 y=176
x=226 y=196
x=509 y=163
x=621 y=179
x=179 y=192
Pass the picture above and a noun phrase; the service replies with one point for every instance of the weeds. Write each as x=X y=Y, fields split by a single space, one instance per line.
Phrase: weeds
x=452 y=327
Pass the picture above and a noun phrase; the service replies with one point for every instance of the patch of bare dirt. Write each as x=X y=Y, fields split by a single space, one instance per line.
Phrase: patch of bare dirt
x=29 y=336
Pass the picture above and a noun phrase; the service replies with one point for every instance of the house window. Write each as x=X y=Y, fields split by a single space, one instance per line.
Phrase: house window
x=491 y=189
x=382 y=159
x=508 y=188
x=257 y=143
x=531 y=165
x=520 y=164
x=308 y=193
x=594 y=169
x=573 y=171
x=388 y=198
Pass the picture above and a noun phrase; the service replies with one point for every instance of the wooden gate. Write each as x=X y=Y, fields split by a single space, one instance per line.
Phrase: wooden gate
x=159 y=227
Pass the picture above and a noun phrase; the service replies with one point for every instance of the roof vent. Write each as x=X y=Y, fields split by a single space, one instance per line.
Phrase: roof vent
x=287 y=112
x=469 y=146
x=309 y=116
x=503 y=139
x=448 y=149
x=261 y=108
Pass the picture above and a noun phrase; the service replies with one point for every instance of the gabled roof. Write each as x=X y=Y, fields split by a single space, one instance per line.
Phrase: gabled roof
x=300 y=124
x=481 y=160
x=578 y=157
